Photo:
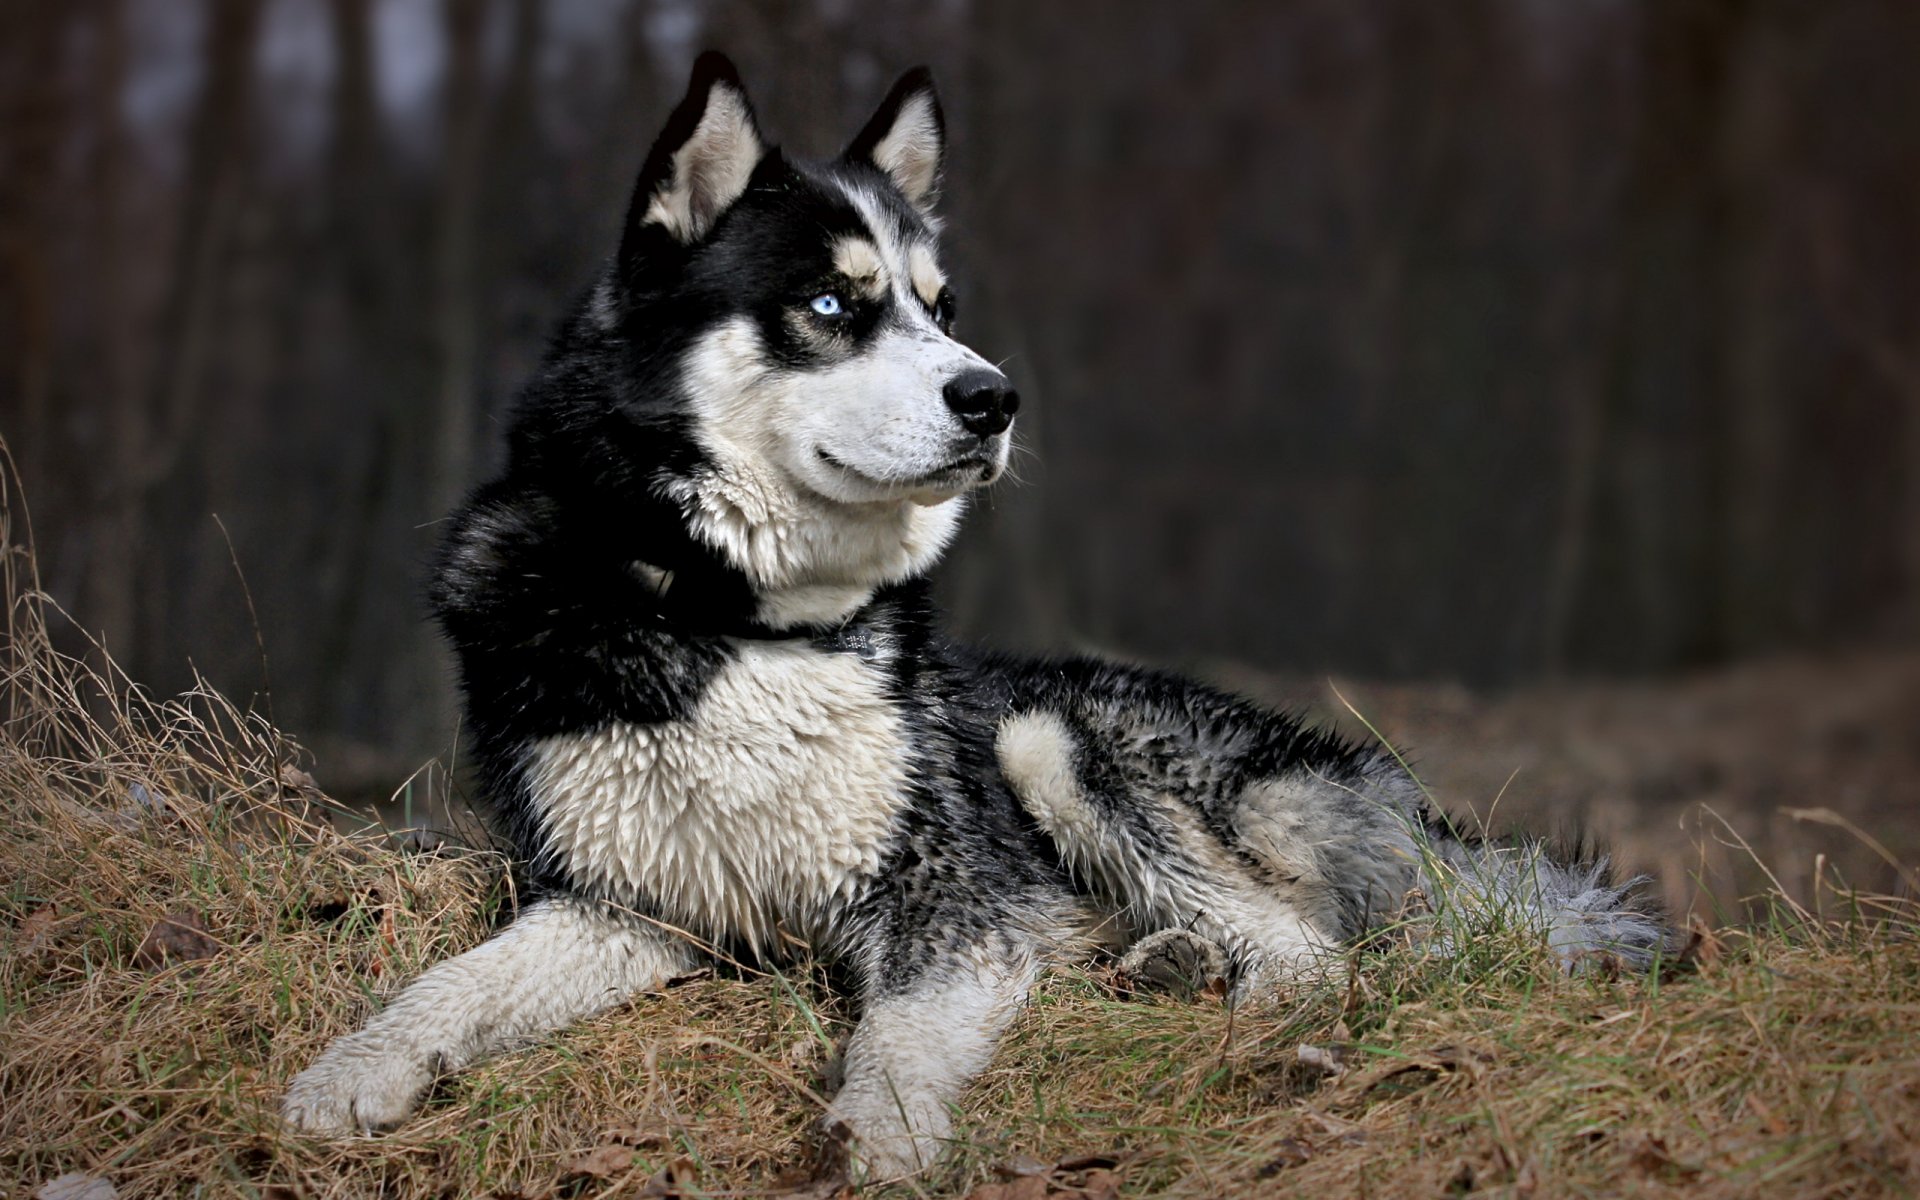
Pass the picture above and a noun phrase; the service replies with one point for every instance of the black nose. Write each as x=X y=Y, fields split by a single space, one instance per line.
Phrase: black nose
x=983 y=400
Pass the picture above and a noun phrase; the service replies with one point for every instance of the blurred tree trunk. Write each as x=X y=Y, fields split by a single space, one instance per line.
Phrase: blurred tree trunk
x=361 y=218
x=1743 y=608
x=112 y=612
x=33 y=120
x=149 y=435
x=454 y=223
x=794 y=65
x=217 y=154
x=1911 y=623
x=514 y=146
x=519 y=241
x=362 y=232
x=1001 y=581
x=1659 y=522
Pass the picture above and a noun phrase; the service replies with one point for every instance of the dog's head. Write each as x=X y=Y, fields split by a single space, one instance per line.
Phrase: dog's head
x=830 y=321
x=797 y=325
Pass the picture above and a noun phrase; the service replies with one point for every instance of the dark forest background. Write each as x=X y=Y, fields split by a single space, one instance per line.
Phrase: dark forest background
x=1486 y=340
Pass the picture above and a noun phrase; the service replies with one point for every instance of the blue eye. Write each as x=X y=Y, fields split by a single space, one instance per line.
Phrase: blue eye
x=827 y=304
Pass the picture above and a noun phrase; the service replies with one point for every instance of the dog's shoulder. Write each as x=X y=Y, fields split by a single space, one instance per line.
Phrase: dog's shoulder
x=557 y=628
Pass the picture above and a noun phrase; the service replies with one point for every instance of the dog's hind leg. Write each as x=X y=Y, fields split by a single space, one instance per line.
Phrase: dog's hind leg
x=917 y=1045
x=1147 y=852
x=563 y=959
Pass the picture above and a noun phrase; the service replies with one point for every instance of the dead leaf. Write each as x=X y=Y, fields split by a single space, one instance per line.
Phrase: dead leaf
x=1329 y=1060
x=671 y=1181
x=833 y=1156
x=177 y=937
x=1087 y=1162
x=601 y=1162
x=1291 y=1152
x=1768 y=1117
x=826 y=1177
x=295 y=782
x=1420 y=1070
x=421 y=840
x=632 y=1134
x=389 y=942
x=1100 y=1184
x=1602 y=963
x=806 y=1187
x=36 y=928
x=696 y=976
x=1020 y=1166
x=806 y=1055
x=1029 y=1187
x=1650 y=1154
x=1346 y=1131
x=77 y=1185
x=1701 y=949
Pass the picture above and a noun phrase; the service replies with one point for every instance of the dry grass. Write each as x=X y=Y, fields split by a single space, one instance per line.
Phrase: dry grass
x=1785 y=1062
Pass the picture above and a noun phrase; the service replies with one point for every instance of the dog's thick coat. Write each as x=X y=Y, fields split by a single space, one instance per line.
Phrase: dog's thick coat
x=711 y=710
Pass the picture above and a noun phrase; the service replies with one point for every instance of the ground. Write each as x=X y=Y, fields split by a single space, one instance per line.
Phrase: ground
x=185 y=919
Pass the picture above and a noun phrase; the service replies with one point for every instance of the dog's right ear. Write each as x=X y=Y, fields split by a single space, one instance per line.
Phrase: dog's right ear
x=702 y=160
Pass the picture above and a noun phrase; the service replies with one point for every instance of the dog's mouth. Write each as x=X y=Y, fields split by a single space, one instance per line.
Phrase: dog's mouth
x=954 y=477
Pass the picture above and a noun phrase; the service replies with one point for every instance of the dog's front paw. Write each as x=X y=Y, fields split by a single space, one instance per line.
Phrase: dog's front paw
x=355 y=1088
x=878 y=1142
x=1174 y=961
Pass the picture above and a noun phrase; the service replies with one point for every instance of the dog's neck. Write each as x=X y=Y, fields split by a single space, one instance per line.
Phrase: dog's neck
x=811 y=561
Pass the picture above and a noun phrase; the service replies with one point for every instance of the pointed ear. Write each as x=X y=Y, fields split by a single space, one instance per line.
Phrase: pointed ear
x=907 y=138
x=703 y=158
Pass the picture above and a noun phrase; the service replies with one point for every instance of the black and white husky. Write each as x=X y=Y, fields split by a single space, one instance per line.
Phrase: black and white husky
x=712 y=710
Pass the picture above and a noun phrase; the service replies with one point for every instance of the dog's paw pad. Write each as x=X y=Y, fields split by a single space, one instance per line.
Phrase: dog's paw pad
x=1174 y=961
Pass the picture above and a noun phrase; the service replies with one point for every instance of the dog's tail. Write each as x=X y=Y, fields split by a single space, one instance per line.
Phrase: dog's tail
x=1569 y=896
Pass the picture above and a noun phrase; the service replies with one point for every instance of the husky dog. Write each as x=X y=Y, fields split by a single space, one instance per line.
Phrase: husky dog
x=711 y=709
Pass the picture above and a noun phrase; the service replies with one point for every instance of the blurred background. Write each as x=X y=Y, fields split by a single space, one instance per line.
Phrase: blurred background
x=1540 y=377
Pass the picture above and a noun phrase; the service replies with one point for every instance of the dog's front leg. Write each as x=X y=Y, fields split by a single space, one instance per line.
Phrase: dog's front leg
x=563 y=959
x=918 y=1044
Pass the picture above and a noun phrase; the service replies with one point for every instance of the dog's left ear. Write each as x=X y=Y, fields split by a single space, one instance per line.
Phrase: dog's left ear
x=703 y=159
x=907 y=138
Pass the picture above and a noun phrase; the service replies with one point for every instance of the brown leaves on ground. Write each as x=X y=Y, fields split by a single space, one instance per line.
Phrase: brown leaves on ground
x=616 y=1161
x=1414 y=1071
x=1076 y=1177
x=678 y=1180
x=1327 y=1133
x=179 y=936
x=601 y=1162
x=35 y=930
x=1649 y=1153
x=1287 y=1152
x=1702 y=949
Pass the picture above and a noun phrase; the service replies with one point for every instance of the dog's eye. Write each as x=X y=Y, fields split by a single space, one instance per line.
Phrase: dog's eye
x=943 y=310
x=828 y=304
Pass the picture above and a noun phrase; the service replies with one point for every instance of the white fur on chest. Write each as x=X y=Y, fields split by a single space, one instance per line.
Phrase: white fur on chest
x=768 y=806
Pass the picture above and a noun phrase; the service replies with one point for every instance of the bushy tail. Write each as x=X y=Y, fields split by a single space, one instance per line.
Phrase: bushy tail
x=1586 y=915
